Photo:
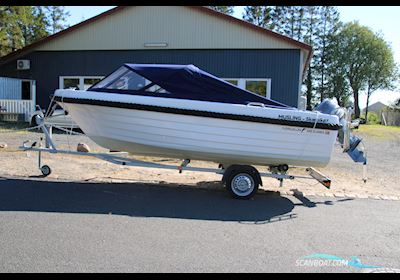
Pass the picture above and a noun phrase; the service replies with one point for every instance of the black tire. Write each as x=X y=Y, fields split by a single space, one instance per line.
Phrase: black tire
x=283 y=167
x=242 y=184
x=46 y=170
x=33 y=121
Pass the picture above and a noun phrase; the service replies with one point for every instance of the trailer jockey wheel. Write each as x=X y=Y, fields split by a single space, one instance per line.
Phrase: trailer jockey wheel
x=283 y=168
x=45 y=170
x=242 y=184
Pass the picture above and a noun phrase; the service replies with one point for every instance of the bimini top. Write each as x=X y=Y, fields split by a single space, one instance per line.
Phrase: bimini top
x=177 y=81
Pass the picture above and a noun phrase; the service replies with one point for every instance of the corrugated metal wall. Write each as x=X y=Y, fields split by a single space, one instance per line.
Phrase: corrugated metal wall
x=10 y=88
x=179 y=26
x=281 y=66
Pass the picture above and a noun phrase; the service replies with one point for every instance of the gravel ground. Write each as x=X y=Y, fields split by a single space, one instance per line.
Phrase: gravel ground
x=346 y=176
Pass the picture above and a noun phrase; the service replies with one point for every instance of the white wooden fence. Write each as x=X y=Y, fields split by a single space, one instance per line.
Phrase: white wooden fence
x=13 y=107
x=391 y=117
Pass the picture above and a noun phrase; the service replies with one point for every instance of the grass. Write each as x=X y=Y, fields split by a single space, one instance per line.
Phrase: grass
x=17 y=127
x=379 y=131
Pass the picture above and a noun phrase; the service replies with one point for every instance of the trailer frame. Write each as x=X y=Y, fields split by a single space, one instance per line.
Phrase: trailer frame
x=120 y=158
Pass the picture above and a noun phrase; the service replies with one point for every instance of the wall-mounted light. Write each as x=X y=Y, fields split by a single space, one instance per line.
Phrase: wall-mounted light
x=158 y=45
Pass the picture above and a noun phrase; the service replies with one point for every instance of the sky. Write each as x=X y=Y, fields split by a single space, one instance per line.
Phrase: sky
x=384 y=19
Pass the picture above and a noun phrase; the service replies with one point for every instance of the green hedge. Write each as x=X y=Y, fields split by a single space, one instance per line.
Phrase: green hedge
x=373 y=118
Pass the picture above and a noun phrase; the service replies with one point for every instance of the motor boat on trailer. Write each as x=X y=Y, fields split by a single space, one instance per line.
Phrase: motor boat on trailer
x=181 y=111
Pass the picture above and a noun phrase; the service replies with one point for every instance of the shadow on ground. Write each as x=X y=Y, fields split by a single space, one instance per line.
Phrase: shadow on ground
x=140 y=200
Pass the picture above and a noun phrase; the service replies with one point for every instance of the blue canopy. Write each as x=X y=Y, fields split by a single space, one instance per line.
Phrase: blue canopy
x=190 y=82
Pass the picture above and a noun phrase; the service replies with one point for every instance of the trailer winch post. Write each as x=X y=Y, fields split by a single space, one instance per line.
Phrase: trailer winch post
x=49 y=136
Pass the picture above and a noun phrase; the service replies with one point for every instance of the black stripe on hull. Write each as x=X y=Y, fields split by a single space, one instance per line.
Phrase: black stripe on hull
x=195 y=113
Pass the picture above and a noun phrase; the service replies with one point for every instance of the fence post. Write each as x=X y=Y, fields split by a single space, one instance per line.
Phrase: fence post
x=33 y=96
x=383 y=117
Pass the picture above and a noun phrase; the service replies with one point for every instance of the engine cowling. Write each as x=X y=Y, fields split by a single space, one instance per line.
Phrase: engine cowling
x=347 y=140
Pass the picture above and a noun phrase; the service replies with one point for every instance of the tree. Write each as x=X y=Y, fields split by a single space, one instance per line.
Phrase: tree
x=56 y=18
x=23 y=19
x=278 y=18
x=258 y=15
x=223 y=9
x=367 y=60
x=24 y=25
x=40 y=24
x=292 y=21
x=310 y=34
x=4 y=42
x=33 y=23
x=381 y=70
x=354 y=41
x=12 y=20
x=294 y=24
x=328 y=26
x=337 y=84
x=314 y=25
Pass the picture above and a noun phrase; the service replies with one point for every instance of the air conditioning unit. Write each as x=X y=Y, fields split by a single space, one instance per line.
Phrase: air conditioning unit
x=23 y=64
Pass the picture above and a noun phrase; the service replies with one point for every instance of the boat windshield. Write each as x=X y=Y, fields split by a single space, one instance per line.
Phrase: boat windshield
x=126 y=79
x=177 y=81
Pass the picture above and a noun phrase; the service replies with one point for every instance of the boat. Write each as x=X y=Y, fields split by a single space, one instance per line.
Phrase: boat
x=181 y=111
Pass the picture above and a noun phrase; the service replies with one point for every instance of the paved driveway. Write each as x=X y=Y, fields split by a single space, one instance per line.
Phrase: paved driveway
x=85 y=227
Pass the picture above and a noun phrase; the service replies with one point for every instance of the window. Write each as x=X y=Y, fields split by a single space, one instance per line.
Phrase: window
x=258 y=86
x=70 y=83
x=234 y=82
x=88 y=82
x=77 y=82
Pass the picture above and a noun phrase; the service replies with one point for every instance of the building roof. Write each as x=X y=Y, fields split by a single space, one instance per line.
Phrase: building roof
x=376 y=107
x=32 y=47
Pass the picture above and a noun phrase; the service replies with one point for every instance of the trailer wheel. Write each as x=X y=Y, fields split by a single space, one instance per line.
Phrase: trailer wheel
x=33 y=121
x=242 y=184
x=46 y=170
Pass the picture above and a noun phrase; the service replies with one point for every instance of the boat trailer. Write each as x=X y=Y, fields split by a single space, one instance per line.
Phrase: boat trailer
x=242 y=181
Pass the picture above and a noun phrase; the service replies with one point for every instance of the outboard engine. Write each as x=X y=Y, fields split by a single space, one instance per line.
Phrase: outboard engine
x=348 y=141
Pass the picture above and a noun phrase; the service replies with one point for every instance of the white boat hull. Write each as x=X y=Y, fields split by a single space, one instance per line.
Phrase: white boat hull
x=223 y=141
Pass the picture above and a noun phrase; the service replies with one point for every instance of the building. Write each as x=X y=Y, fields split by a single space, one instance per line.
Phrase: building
x=376 y=108
x=247 y=55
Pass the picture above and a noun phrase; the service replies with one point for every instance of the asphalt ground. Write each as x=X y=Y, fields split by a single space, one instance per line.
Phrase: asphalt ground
x=50 y=226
